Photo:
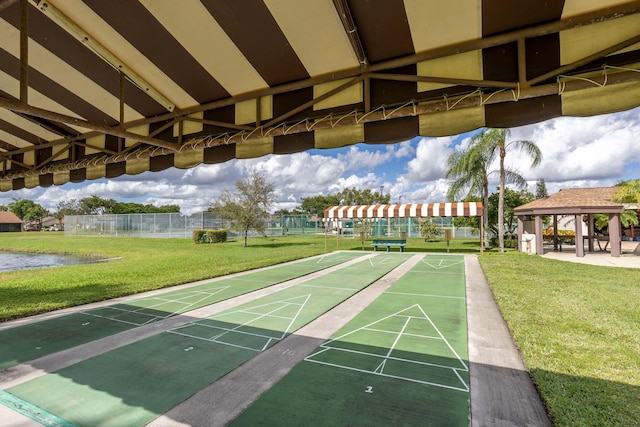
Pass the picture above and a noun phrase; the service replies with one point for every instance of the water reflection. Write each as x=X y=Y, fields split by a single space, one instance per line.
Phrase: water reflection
x=13 y=261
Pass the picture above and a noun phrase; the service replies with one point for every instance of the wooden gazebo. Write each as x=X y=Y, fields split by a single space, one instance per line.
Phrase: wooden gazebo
x=576 y=202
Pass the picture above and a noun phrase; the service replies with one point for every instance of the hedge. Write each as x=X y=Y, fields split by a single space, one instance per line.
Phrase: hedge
x=209 y=236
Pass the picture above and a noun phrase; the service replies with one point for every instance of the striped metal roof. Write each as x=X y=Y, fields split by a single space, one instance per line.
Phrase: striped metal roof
x=94 y=88
x=407 y=210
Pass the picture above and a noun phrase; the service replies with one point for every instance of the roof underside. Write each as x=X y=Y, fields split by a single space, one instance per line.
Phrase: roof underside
x=93 y=88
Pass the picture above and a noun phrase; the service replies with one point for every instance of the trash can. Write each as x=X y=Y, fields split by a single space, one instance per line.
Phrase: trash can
x=528 y=243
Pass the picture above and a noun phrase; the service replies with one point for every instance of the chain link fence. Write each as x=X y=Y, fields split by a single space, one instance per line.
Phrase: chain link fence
x=175 y=225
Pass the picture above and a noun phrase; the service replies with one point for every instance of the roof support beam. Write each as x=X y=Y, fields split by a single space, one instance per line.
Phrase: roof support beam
x=445 y=80
x=62 y=118
x=352 y=32
x=24 y=51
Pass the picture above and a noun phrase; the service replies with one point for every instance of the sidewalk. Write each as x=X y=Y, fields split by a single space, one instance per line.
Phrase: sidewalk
x=602 y=258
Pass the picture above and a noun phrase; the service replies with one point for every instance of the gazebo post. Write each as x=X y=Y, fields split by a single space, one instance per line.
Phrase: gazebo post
x=614 y=234
x=520 y=232
x=537 y=225
x=579 y=241
x=555 y=232
x=591 y=231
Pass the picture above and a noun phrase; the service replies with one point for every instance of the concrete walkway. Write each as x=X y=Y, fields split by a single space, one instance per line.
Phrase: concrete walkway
x=628 y=259
x=501 y=391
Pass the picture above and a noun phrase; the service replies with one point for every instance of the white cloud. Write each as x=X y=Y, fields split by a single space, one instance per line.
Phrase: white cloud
x=430 y=160
x=595 y=149
x=370 y=181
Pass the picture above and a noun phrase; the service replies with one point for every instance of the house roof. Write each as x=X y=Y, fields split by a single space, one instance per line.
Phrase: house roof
x=573 y=201
x=93 y=88
x=9 y=218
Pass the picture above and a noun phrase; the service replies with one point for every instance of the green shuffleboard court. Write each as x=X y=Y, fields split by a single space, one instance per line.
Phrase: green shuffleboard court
x=39 y=339
x=138 y=382
x=402 y=361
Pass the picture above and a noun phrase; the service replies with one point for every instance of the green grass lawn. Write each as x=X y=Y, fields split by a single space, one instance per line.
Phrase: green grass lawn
x=578 y=327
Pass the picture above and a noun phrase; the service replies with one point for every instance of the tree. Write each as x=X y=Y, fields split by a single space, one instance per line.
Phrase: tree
x=28 y=210
x=473 y=164
x=68 y=207
x=348 y=196
x=317 y=204
x=96 y=205
x=628 y=192
x=248 y=207
x=512 y=199
x=495 y=142
x=353 y=196
x=429 y=229
x=628 y=217
x=467 y=169
x=541 y=189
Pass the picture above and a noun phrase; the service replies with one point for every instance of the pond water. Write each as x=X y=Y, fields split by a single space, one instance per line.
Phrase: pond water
x=13 y=261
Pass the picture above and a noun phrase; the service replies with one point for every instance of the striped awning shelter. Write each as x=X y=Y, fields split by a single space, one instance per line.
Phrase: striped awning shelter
x=418 y=210
x=95 y=88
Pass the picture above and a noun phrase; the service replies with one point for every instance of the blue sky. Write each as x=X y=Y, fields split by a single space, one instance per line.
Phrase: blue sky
x=577 y=152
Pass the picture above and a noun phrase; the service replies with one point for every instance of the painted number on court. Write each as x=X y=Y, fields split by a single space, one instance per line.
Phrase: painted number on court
x=369 y=389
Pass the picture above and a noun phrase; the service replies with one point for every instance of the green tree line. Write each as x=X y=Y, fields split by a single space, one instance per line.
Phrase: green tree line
x=30 y=211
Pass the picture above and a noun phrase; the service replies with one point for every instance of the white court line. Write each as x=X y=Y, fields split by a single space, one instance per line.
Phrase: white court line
x=466 y=389
x=400 y=334
x=209 y=340
x=440 y=266
x=394 y=358
x=423 y=295
x=279 y=306
x=407 y=334
x=393 y=346
x=329 y=287
x=151 y=317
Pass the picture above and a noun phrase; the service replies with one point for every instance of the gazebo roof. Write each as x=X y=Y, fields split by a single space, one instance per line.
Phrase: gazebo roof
x=573 y=201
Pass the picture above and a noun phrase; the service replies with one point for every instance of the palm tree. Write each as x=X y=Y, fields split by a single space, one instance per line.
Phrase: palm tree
x=468 y=170
x=628 y=192
x=472 y=164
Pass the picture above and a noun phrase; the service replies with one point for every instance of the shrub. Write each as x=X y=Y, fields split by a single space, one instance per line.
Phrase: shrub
x=209 y=236
x=429 y=230
x=508 y=242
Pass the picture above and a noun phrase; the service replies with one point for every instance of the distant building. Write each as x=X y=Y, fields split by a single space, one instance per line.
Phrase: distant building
x=49 y=221
x=10 y=222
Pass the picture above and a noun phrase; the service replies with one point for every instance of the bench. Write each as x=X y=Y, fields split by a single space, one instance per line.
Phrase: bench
x=388 y=243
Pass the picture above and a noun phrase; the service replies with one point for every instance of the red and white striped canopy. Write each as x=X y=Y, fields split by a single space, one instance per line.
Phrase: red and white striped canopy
x=406 y=210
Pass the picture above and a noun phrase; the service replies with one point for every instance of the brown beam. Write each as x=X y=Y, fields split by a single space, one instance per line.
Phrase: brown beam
x=342 y=7
x=313 y=101
x=24 y=51
x=444 y=80
x=522 y=63
x=62 y=118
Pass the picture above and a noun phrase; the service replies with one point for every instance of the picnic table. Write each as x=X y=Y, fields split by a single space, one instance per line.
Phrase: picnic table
x=598 y=239
x=401 y=243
